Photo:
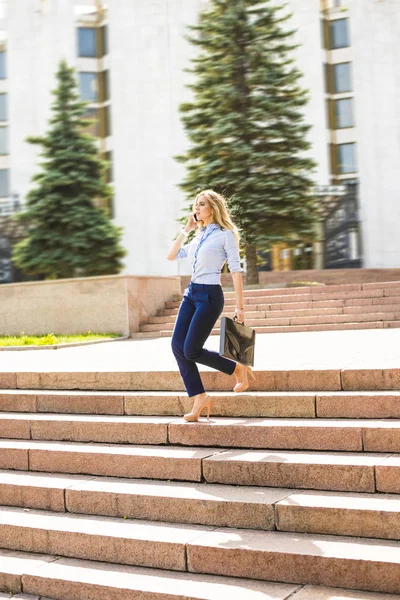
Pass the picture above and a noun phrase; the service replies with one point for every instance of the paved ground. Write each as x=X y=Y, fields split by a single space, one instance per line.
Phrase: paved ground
x=318 y=350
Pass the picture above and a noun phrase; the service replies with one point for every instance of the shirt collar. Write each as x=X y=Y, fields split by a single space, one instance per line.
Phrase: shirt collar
x=210 y=226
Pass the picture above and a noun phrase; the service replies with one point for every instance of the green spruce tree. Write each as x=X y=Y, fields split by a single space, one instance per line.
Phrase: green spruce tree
x=245 y=124
x=67 y=234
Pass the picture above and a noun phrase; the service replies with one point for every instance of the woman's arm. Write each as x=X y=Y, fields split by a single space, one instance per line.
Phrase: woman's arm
x=176 y=246
x=237 y=278
x=233 y=256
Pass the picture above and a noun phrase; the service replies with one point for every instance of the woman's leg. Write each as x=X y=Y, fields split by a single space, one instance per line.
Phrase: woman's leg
x=188 y=369
x=209 y=306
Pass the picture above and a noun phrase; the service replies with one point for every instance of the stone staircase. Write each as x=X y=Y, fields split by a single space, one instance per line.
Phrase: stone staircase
x=317 y=308
x=290 y=490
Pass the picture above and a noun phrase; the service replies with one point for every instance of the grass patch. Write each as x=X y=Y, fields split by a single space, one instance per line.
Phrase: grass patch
x=50 y=339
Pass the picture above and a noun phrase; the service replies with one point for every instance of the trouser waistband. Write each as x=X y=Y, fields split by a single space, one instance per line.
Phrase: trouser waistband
x=203 y=286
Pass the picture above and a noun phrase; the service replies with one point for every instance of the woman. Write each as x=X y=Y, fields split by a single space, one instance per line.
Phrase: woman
x=203 y=301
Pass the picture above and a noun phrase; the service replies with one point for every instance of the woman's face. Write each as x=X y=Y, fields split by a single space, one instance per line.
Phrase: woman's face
x=203 y=210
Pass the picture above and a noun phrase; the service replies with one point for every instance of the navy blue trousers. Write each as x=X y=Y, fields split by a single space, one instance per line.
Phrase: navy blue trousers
x=201 y=306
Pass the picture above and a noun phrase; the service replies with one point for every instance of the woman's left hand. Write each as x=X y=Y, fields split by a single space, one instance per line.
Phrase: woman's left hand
x=239 y=314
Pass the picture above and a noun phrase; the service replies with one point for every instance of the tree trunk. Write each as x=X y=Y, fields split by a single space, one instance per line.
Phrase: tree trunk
x=251 y=262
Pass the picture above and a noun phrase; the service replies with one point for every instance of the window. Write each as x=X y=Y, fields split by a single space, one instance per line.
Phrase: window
x=346 y=157
x=3 y=107
x=103 y=32
x=3 y=67
x=93 y=128
x=109 y=171
x=337 y=3
x=87 y=42
x=339 y=33
x=105 y=121
x=342 y=78
x=344 y=113
x=4 y=176
x=88 y=86
x=104 y=91
x=3 y=140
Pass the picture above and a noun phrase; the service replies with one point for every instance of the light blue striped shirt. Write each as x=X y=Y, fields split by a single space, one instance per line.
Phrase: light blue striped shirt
x=209 y=251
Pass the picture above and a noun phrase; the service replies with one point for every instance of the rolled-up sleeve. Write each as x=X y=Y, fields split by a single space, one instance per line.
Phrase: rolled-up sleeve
x=232 y=252
x=182 y=253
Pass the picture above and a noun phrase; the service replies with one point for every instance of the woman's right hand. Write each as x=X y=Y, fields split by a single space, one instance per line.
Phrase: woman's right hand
x=191 y=224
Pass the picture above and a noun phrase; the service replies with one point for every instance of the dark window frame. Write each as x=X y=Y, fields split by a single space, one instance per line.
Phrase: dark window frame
x=104 y=85
x=93 y=114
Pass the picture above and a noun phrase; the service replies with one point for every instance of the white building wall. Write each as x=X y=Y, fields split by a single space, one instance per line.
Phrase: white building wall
x=40 y=34
x=147 y=61
x=375 y=38
x=310 y=57
x=147 y=58
x=148 y=54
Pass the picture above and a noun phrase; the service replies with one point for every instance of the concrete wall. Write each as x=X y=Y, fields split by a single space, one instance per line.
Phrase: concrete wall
x=116 y=304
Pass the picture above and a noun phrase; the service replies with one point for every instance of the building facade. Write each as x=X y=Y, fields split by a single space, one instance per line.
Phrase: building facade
x=130 y=57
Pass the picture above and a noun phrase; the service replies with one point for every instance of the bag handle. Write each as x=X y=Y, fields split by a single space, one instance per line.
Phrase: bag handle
x=236 y=319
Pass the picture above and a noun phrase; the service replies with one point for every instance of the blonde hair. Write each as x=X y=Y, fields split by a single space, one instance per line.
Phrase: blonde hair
x=220 y=211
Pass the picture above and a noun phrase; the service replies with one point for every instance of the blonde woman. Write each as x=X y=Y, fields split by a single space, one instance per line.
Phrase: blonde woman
x=216 y=242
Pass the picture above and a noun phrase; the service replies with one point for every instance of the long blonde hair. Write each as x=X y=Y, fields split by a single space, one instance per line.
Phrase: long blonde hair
x=220 y=211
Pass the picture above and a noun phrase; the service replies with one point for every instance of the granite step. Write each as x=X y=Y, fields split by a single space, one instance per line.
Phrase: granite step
x=136 y=462
x=312 y=296
x=246 y=507
x=348 y=405
x=348 y=514
x=288 y=380
x=191 y=503
x=146 y=335
x=290 y=434
x=124 y=541
x=73 y=579
x=22 y=596
x=321 y=289
x=274 y=433
x=291 y=328
x=277 y=320
x=251 y=404
x=313 y=302
x=352 y=405
x=268 y=556
x=330 y=471
x=345 y=287
x=313 y=592
x=85 y=428
x=266 y=311
x=325 y=471
x=371 y=565
x=361 y=303
x=316 y=304
x=305 y=295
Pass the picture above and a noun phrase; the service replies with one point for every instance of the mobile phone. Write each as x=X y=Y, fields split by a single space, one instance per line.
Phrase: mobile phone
x=195 y=216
